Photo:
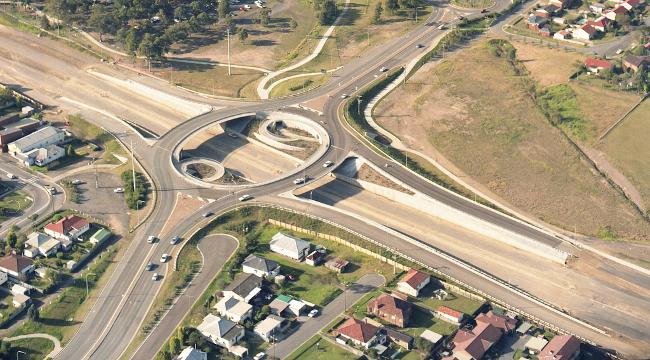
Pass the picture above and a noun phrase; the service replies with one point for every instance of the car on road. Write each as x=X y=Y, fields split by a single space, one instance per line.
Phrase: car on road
x=260 y=356
x=383 y=69
x=52 y=190
x=233 y=135
x=151 y=239
x=441 y=27
x=155 y=277
x=419 y=46
x=175 y=240
x=299 y=181
x=164 y=258
x=259 y=4
x=619 y=51
x=328 y=163
x=313 y=313
x=207 y=214
x=11 y=176
x=461 y=17
x=483 y=11
x=77 y=182
x=344 y=96
x=118 y=190
x=247 y=7
x=149 y=267
x=245 y=197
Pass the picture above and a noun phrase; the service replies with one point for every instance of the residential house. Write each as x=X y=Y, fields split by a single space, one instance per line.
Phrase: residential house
x=559 y=20
x=315 y=257
x=545 y=31
x=432 y=337
x=535 y=22
x=399 y=338
x=634 y=63
x=290 y=246
x=269 y=328
x=9 y=135
x=244 y=288
x=3 y=277
x=535 y=344
x=279 y=306
x=596 y=8
x=594 y=65
x=262 y=267
x=542 y=13
x=68 y=228
x=413 y=282
x=630 y=4
x=473 y=344
x=38 y=146
x=585 y=32
x=20 y=300
x=449 y=314
x=561 y=347
x=297 y=307
x=337 y=264
x=562 y=35
x=17 y=266
x=599 y=24
x=100 y=236
x=40 y=244
x=506 y=324
x=562 y=4
x=360 y=333
x=391 y=309
x=611 y=13
x=220 y=331
x=190 y=353
x=234 y=310
x=19 y=289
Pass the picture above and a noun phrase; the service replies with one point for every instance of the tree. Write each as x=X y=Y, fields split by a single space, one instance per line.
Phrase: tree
x=180 y=334
x=243 y=35
x=6 y=96
x=103 y=21
x=132 y=41
x=149 y=47
x=392 y=6
x=32 y=313
x=5 y=348
x=327 y=14
x=69 y=151
x=45 y=23
x=423 y=344
x=223 y=9
x=175 y=345
x=265 y=17
x=11 y=239
x=292 y=23
x=230 y=24
x=378 y=10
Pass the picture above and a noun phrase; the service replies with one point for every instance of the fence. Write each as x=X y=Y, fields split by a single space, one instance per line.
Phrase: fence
x=33 y=102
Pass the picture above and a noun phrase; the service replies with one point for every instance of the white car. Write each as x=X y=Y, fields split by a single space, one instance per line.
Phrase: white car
x=383 y=69
x=260 y=356
x=77 y=182
x=11 y=176
x=344 y=96
x=328 y=163
x=245 y=197
x=299 y=181
x=151 y=239
x=259 y=4
x=52 y=190
x=118 y=190
x=313 y=313
x=155 y=277
x=247 y=7
x=175 y=240
x=164 y=258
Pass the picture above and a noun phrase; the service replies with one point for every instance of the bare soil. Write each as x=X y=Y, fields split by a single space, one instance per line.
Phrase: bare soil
x=491 y=130
x=366 y=173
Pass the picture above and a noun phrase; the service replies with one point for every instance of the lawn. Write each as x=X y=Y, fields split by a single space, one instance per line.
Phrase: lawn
x=318 y=348
x=31 y=349
x=492 y=131
x=89 y=132
x=421 y=321
x=298 y=85
x=209 y=79
x=14 y=203
x=453 y=301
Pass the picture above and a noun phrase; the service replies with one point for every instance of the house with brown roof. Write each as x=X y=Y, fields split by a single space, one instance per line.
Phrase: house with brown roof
x=506 y=324
x=68 y=228
x=413 y=282
x=401 y=339
x=594 y=65
x=449 y=314
x=391 y=309
x=360 y=333
x=561 y=347
x=473 y=344
x=17 y=266
x=585 y=32
x=634 y=63
x=611 y=13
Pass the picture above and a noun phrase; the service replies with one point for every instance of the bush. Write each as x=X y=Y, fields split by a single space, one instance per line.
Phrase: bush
x=133 y=195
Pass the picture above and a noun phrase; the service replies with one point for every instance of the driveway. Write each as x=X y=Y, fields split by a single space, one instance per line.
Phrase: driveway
x=311 y=326
x=216 y=249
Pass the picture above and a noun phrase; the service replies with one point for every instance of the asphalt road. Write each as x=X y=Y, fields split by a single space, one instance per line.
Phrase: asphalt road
x=216 y=249
x=308 y=327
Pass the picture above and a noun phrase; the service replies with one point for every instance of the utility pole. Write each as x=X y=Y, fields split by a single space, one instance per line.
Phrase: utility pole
x=228 y=35
x=96 y=177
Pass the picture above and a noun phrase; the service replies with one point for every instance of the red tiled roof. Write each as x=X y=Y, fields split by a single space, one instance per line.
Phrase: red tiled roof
x=449 y=311
x=588 y=29
x=478 y=340
x=357 y=330
x=598 y=23
x=414 y=278
x=647 y=45
x=619 y=10
x=64 y=225
x=15 y=263
x=501 y=322
x=633 y=2
x=560 y=347
x=391 y=305
x=598 y=63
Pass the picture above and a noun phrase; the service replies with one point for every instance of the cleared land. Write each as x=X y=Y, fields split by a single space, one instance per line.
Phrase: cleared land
x=491 y=130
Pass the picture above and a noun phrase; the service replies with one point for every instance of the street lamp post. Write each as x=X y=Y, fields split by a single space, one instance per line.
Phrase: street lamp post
x=93 y=274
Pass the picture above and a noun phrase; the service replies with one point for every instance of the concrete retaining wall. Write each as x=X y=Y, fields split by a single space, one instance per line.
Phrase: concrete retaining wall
x=436 y=208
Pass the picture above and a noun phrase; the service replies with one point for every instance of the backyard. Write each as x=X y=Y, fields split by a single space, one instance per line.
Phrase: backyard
x=320 y=349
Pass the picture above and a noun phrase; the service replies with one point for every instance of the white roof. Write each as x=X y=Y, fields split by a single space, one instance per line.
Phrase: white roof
x=17 y=289
x=289 y=242
x=233 y=306
x=296 y=304
x=30 y=141
x=267 y=325
x=431 y=336
x=190 y=353
x=536 y=343
x=215 y=326
x=37 y=240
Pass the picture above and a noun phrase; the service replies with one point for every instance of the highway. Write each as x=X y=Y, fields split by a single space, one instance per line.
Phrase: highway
x=118 y=312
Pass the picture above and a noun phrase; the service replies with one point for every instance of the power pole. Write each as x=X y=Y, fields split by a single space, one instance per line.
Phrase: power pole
x=228 y=35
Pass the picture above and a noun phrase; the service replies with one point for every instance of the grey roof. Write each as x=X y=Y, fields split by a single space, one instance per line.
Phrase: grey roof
x=244 y=284
x=232 y=333
x=36 y=137
x=289 y=242
x=190 y=353
x=215 y=326
x=394 y=334
x=260 y=263
x=10 y=131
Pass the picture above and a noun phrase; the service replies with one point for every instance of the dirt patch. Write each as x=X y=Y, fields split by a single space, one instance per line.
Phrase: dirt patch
x=185 y=205
x=366 y=173
x=202 y=171
x=491 y=130
x=548 y=66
